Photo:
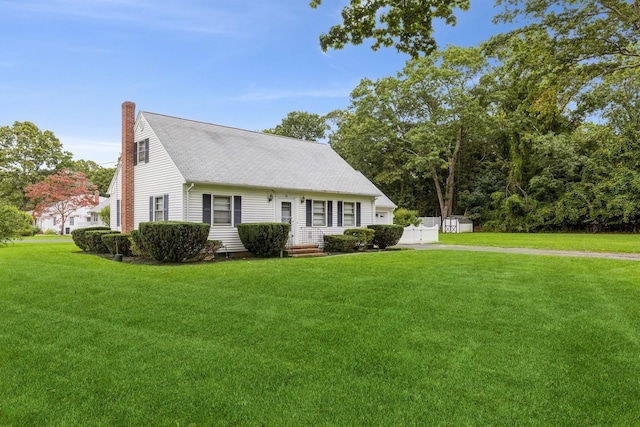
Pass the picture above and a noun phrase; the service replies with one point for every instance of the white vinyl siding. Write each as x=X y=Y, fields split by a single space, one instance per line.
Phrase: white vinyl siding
x=156 y=178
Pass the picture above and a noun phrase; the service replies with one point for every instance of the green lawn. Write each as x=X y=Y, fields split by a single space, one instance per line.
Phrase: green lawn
x=386 y=339
x=627 y=243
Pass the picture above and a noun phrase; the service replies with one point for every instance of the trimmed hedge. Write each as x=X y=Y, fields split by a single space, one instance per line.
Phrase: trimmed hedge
x=364 y=236
x=340 y=243
x=79 y=238
x=137 y=245
x=117 y=243
x=264 y=238
x=173 y=241
x=386 y=234
x=94 y=240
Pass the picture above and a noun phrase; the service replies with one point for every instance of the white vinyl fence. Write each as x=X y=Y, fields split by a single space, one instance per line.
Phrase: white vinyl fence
x=413 y=235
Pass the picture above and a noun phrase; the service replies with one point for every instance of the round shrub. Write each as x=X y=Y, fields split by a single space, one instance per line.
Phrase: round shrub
x=340 y=243
x=117 y=243
x=173 y=241
x=264 y=238
x=386 y=235
x=363 y=235
x=94 y=240
x=79 y=238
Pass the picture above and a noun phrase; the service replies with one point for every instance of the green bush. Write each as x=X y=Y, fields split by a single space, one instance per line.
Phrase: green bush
x=173 y=241
x=79 y=238
x=137 y=245
x=386 y=235
x=13 y=223
x=94 y=240
x=117 y=243
x=340 y=243
x=405 y=217
x=264 y=238
x=364 y=236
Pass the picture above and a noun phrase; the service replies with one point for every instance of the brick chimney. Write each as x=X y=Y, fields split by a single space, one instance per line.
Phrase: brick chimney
x=128 y=120
x=96 y=197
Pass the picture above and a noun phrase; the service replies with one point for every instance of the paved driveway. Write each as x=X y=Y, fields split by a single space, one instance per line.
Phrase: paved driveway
x=526 y=251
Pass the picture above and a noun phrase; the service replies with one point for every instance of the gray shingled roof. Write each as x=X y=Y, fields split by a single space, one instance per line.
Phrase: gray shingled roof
x=208 y=153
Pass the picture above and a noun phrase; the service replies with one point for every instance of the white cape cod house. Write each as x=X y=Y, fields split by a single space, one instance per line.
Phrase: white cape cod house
x=184 y=170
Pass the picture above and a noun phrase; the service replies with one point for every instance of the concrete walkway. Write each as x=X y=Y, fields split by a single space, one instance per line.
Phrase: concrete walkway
x=525 y=251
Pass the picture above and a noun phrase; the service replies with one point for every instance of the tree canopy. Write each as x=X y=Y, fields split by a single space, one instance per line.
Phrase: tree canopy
x=301 y=125
x=406 y=25
x=536 y=129
x=27 y=156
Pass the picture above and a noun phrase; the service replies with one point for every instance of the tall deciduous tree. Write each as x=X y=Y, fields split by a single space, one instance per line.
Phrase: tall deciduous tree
x=417 y=123
x=405 y=24
x=61 y=194
x=302 y=125
x=27 y=155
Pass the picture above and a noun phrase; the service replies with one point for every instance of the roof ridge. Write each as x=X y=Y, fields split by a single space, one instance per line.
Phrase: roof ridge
x=234 y=128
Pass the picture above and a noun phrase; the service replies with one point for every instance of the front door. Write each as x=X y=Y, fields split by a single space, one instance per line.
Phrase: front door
x=286 y=214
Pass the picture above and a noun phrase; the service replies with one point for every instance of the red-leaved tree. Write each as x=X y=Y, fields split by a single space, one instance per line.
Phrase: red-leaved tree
x=61 y=194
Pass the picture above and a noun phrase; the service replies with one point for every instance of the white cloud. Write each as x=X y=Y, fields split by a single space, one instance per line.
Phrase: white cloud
x=275 y=94
x=190 y=16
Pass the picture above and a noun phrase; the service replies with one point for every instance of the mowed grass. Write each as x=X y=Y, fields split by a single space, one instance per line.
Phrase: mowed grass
x=624 y=243
x=395 y=338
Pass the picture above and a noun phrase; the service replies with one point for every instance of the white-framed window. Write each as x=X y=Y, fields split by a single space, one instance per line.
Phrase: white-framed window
x=319 y=213
x=158 y=208
x=71 y=220
x=142 y=152
x=95 y=216
x=221 y=210
x=349 y=214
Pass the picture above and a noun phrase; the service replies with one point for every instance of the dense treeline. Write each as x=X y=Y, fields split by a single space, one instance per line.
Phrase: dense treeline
x=534 y=130
x=28 y=156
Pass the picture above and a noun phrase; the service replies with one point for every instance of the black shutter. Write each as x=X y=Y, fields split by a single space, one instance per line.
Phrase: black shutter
x=309 y=213
x=206 y=208
x=135 y=153
x=358 y=212
x=339 y=214
x=118 y=213
x=146 y=150
x=330 y=213
x=237 y=210
x=166 y=207
x=151 y=208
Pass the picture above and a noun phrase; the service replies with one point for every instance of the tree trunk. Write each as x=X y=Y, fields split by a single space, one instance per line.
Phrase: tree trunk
x=436 y=183
x=449 y=185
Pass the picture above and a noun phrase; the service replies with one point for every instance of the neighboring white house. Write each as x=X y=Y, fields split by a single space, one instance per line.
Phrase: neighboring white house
x=185 y=170
x=86 y=216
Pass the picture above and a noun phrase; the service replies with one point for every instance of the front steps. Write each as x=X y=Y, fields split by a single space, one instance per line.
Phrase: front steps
x=304 y=251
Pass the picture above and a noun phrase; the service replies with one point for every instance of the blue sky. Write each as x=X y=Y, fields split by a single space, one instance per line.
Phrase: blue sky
x=67 y=65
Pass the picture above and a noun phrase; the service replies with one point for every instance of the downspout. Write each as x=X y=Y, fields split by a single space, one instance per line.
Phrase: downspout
x=187 y=204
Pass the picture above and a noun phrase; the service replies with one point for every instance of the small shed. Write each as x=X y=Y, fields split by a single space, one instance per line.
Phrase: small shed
x=457 y=224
